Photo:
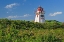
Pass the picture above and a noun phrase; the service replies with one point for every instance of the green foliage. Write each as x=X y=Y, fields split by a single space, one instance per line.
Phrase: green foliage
x=26 y=31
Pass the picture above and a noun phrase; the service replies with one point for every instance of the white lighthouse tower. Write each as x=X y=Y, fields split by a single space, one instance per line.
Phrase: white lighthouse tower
x=40 y=15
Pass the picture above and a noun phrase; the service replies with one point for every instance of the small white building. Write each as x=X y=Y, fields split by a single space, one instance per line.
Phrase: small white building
x=40 y=15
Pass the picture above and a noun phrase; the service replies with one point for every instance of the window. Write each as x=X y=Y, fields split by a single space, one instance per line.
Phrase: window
x=42 y=15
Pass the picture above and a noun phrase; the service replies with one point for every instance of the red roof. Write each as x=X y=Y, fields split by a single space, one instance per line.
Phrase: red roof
x=40 y=9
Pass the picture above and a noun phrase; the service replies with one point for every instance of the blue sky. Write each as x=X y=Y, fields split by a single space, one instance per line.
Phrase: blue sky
x=25 y=9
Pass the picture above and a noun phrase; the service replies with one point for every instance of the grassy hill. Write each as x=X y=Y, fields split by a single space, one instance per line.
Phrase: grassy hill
x=26 y=31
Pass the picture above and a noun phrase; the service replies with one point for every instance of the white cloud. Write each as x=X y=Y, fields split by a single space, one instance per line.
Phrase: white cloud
x=55 y=13
x=11 y=5
x=16 y=16
x=12 y=16
x=26 y=15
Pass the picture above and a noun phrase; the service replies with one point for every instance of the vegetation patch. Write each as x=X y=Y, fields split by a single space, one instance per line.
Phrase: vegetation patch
x=27 y=31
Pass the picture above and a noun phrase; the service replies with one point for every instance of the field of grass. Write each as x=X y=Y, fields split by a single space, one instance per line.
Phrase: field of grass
x=32 y=35
x=27 y=31
x=43 y=35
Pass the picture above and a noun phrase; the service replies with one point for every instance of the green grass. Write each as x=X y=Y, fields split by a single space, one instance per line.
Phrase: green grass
x=32 y=35
x=26 y=31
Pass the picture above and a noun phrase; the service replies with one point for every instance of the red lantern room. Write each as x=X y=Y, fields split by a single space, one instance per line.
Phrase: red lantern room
x=40 y=9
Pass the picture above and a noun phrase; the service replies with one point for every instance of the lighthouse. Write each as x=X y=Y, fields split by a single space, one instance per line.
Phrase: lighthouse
x=40 y=15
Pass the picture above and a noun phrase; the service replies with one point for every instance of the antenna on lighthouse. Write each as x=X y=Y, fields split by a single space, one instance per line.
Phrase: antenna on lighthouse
x=40 y=15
